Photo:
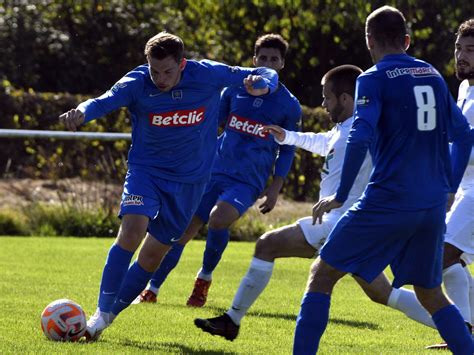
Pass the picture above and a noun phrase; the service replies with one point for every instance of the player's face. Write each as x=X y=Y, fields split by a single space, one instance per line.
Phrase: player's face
x=332 y=104
x=464 y=57
x=165 y=73
x=270 y=58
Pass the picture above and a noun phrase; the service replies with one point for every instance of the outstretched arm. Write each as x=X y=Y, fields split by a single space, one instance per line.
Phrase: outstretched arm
x=313 y=142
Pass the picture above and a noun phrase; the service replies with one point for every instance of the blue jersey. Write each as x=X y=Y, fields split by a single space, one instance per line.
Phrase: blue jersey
x=174 y=133
x=244 y=152
x=405 y=111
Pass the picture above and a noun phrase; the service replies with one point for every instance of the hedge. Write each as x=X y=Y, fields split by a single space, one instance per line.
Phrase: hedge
x=55 y=159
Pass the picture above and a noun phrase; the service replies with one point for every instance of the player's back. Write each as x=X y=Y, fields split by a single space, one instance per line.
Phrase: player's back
x=410 y=153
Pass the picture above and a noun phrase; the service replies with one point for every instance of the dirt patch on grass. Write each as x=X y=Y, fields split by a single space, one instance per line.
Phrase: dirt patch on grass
x=16 y=193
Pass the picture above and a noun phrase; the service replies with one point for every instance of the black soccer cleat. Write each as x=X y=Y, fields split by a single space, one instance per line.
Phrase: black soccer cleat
x=222 y=326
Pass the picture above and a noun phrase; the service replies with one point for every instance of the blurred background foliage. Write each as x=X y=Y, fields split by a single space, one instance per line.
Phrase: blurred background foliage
x=58 y=53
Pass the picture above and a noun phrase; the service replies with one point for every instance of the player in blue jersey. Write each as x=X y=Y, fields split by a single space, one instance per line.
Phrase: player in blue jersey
x=304 y=239
x=173 y=104
x=244 y=161
x=405 y=113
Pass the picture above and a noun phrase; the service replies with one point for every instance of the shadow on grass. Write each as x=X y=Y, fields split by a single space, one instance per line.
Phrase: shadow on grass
x=165 y=347
x=290 y=317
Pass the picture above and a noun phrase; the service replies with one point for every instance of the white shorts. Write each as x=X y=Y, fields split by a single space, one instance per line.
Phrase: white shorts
x=317 y=234
x=460 y=225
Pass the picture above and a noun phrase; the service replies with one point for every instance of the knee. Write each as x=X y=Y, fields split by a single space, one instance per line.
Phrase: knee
x=265 y=247
x=451 y=255
x=219 y=220
x=150 y=259
x=323 y=277
x=129 y=237
x=222 y=216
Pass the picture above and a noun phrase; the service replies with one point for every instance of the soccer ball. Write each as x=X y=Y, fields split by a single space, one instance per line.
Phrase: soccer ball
x=63 y=320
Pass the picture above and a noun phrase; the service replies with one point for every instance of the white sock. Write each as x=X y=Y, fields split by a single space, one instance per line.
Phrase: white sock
x=405 y=301
x=456 y=284
x=251 y=286
x=202 y=275
x=471 y=292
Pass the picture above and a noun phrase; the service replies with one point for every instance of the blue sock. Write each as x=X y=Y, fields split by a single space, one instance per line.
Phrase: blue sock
x=216 y=243
x=311 y=323
x=169 y=263
x=134 y=282
x=116 y=266
x=453 y=330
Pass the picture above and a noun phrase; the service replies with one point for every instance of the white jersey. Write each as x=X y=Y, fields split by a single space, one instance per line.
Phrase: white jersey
x=460 y=219
x=466 y=103
x=332 y=145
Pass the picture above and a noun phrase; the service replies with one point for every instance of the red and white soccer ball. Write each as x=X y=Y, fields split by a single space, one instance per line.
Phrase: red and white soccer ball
x=63 y=320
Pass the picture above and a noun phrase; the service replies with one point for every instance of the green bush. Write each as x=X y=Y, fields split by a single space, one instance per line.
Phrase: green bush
x=12 y=223
x=70 y=220
x=103 y=160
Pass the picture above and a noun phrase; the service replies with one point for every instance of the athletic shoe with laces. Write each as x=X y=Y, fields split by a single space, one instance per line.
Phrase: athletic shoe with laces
x=96 y=325
x=222 y=326
x=199 y=296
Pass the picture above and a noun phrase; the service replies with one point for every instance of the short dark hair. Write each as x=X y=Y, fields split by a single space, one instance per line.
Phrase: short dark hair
x=343 y=79
x=387 y=26
x=466 y=29
x=271 y=40
x=165 y=44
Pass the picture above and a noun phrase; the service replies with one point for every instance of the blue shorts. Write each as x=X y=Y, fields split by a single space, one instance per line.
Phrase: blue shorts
x=222 y=188
x=366 y=240
x=170 y=205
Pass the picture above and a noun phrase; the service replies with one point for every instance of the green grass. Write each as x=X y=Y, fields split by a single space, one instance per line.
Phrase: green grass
x=36 y=271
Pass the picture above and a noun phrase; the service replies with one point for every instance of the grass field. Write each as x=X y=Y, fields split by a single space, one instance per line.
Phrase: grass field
x=36 y=271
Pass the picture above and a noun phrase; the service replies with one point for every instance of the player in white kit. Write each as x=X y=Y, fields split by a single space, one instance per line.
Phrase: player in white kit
x=303 y=238
x=459 y=238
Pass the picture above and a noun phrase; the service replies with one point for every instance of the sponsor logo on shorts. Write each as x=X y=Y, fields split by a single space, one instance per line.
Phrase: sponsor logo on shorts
x=247 y=126
x=180 y=118
x=174 y=239
x=133 y=200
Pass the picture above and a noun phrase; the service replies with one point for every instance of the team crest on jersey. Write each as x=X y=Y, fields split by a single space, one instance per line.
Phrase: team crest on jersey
x=133 y=200
x=257 y=102
x=117 y=86
x=234 y=69
x=177 y=94
x=363 y=101
x=247 y=126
